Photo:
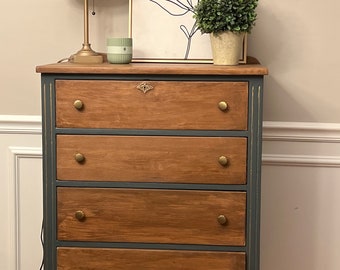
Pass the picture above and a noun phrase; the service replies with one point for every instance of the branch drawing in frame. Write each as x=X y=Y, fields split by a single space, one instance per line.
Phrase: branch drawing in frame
x=165 y=31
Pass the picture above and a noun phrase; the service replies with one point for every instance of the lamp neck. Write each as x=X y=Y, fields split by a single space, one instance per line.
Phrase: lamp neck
x=86 y=22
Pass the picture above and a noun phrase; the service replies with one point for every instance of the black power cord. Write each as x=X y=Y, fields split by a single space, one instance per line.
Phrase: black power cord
x=42 y=244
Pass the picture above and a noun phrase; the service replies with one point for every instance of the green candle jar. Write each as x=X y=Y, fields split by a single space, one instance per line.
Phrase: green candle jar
x=119 y=50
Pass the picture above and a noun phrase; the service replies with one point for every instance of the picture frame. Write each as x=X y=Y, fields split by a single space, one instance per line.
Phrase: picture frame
x=164 y=31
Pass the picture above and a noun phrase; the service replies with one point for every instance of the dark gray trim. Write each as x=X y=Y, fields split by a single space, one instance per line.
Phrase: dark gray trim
x=150 y=246
x=153 y=185
x=151 y=132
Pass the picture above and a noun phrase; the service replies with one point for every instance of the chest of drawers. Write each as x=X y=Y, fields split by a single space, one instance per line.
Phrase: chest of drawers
x=151 y=166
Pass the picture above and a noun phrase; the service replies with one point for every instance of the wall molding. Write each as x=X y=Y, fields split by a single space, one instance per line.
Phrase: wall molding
x=20 y=124
x=272 y=130
x=310 y=132
x=301 y=132
x=16 y=154
x=301 y=160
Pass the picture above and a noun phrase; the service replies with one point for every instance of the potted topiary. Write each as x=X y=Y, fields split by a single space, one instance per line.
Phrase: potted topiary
x=226 y=21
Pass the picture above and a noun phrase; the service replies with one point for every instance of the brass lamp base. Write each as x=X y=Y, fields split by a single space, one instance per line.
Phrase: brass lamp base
x=86 y=56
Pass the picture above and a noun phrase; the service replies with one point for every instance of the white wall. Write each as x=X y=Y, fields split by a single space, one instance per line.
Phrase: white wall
x=296 y=39
x=38 y=32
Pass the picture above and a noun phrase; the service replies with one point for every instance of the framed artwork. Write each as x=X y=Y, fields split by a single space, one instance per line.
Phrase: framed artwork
x=165 y=31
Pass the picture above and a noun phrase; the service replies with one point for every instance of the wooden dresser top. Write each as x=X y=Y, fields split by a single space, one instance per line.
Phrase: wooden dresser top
x=253 y=68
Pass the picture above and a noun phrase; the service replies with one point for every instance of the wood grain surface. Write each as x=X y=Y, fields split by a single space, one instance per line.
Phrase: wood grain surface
x=169 y=105
x=253 y=68
x=152 y=159
x=132 y=259
x=151 y=216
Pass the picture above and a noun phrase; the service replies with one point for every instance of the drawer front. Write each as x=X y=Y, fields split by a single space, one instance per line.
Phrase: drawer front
x=169 y=105
x=132 y=259
x=152 y=159
x=151 y=216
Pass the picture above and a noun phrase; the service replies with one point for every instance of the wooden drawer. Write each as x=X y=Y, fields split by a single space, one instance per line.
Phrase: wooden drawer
x=152 y=159
x=151 y=216
x=132 y=259
x=169 y=105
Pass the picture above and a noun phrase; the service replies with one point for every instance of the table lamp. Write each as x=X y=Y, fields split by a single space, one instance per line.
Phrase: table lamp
x=86 y=55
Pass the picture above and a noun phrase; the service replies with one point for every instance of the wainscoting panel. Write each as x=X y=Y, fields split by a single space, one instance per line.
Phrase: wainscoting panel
x=26 y=209
x=20 y=193
x=300 y=195
x=300 y=217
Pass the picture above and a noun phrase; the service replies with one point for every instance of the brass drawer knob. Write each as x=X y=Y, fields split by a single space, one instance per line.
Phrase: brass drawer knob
x=78 y=104
x=223 y=160
x=79 y=157
x=222 y=219
x=80 y=215
x=223 y=106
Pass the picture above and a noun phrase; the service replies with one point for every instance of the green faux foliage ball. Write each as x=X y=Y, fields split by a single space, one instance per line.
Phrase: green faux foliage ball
x=213 y=16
